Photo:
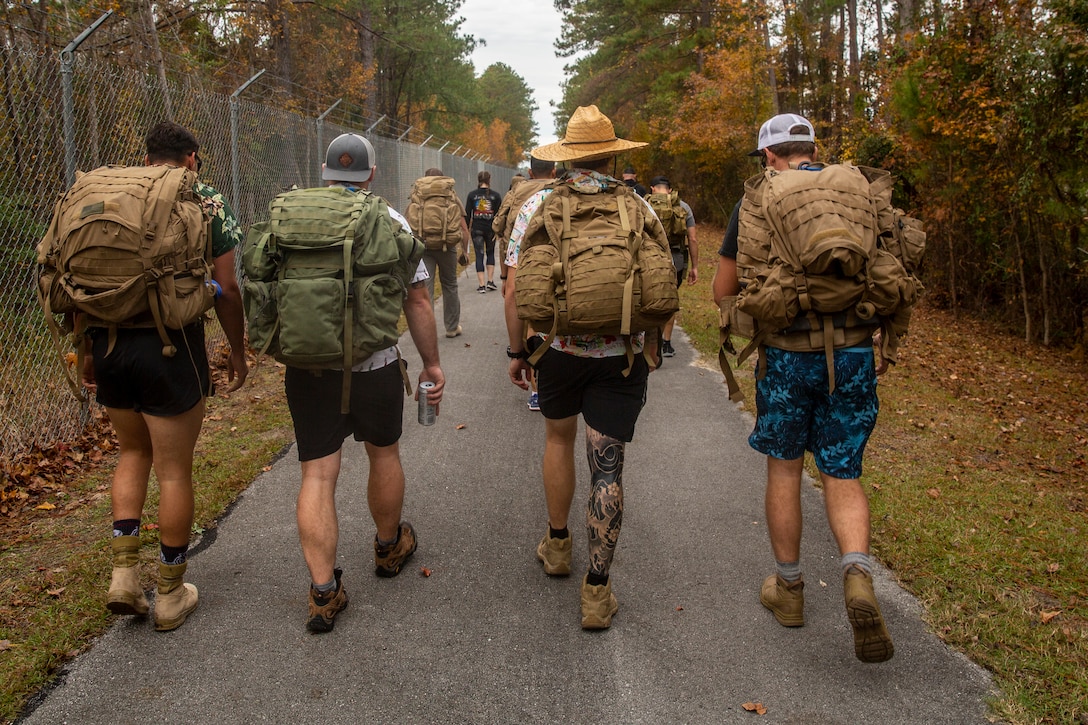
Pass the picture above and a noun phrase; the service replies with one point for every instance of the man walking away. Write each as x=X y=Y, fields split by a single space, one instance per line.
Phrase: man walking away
x=591 y=374
x=799 y=406
x=679 y=222
x=363 y=398
x=436 y=216
x=156 y=405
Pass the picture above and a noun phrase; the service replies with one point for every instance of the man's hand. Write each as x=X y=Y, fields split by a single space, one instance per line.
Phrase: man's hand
x=87 y=373
x=432 y=374
x=693 y=274
x=237 y=370
x=520 y=371
x=882 y=362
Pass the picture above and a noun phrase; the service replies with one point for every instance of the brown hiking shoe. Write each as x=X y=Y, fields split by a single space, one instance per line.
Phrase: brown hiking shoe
x=554 y=554
x=598 y=605
x=389 y=560
x=872 y=643
x=785 y=600
x=323 y=610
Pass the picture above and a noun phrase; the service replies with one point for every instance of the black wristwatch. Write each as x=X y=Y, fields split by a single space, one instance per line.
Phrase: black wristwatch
x=520 y=355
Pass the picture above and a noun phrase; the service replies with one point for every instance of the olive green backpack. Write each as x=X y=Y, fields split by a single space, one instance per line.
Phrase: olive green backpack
x=327 y=276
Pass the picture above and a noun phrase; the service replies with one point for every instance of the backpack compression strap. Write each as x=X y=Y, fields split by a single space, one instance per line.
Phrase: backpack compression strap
x=155 y=232
x=361 y=203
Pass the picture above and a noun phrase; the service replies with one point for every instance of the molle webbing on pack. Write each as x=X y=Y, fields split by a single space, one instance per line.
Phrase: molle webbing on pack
x=591 y=263
x=434 y=212
x=327 y=278
x=127 y=247
x=820 y=262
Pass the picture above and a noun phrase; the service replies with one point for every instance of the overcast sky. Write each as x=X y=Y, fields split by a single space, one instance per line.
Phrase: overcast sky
x=521 y=34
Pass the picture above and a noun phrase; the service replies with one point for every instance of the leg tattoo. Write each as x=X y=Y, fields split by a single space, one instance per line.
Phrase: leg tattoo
x=604 y=514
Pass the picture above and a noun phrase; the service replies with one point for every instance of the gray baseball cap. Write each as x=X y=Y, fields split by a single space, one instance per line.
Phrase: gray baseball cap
x=350 y=158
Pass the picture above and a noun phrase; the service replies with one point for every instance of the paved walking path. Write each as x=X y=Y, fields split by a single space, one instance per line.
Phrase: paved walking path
x=487 y=637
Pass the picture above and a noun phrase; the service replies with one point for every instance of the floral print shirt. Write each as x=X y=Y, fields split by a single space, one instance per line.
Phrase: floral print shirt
x=226 y=231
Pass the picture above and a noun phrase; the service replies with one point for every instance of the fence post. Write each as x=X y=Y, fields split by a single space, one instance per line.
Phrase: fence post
x=320 y=123
x=67 y=61
x=236 y=192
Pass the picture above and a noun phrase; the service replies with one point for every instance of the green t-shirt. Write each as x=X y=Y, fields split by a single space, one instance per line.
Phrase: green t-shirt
x=226 y=231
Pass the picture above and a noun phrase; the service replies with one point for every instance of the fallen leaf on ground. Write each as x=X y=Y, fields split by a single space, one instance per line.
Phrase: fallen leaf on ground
x=45 y=506
x=1046 y=617
x=756 y=707
x=5 y=644
x=56 y=592
x=460 y=426
x=424 y=571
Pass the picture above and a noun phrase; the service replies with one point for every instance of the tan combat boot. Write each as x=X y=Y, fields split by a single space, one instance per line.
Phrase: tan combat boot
x=175 y=600
x=126 y=596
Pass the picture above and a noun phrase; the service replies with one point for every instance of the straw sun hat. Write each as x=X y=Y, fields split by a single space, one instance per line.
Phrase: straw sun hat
x=590 y=137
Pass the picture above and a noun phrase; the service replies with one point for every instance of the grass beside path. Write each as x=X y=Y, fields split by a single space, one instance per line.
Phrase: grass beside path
x=976 y=475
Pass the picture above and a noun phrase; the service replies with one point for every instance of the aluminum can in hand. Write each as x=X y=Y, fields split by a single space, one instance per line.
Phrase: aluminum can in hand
x=426 y=410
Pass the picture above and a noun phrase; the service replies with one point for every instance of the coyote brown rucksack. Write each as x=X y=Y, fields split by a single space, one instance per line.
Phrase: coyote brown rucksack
x=327 y=276
x=434 y=212
x=823 y=260
x=588 y=266
x=507 y=215
x=127 y=247
x=673 y=217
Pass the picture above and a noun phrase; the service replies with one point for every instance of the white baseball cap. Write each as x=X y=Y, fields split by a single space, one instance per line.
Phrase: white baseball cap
x=782 y=128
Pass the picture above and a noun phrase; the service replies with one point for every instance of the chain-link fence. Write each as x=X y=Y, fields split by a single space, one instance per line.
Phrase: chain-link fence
x=69 y=113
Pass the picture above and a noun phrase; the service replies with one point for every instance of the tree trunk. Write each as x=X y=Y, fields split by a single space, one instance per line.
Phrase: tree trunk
x=1044 y=279
x=906 y=18
x=772 y=79
x=952 y=292
x=1028 y=332
x=146 y=34
x=366 y=57
x=855 y=72
x=878 y=10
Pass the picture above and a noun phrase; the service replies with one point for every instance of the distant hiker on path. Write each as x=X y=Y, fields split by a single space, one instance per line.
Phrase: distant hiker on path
x=481 y=205
x=437 y=217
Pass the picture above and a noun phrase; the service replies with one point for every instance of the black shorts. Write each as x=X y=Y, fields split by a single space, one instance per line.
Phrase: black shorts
x=680 y=261
x=376 y=409
x=136 y=376
x=596 y=388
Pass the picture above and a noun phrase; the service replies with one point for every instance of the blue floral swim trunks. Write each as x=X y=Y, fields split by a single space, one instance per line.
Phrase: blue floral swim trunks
x=795 y=412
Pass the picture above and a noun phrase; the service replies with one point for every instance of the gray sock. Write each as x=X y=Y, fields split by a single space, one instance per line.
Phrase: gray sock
x=858 y=558
x=323 y=589
x=790 y=571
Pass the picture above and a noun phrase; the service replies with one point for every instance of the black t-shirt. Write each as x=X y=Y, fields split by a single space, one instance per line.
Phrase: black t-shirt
x=729 y=244
x=480 y=207
x=639 y=188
